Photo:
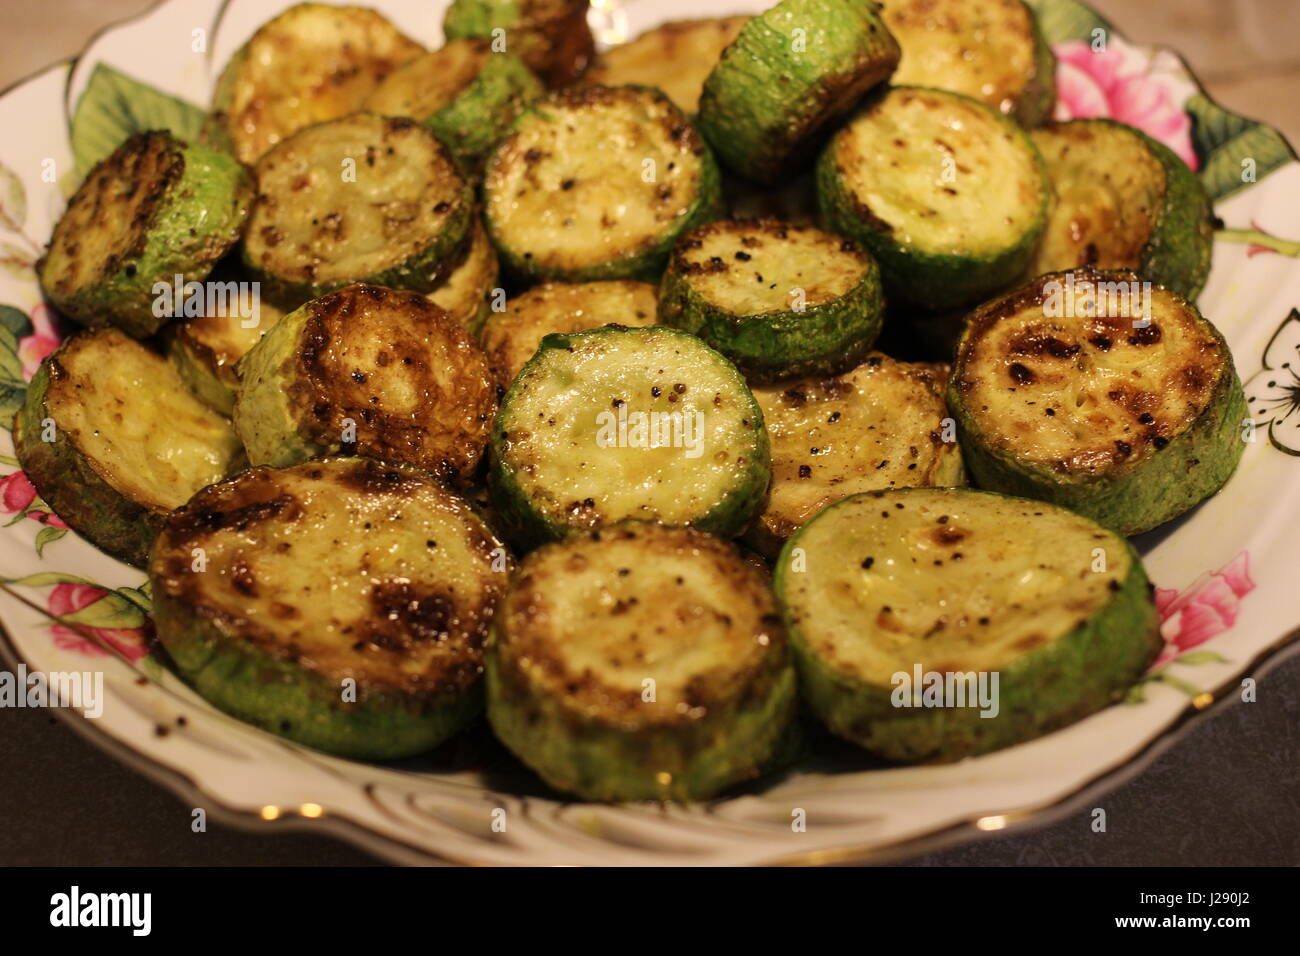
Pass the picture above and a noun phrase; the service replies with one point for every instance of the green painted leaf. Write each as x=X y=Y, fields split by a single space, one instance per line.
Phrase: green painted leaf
x=1222 y=140
x=1200 y=657
x=11 y=399
x=11 y=368
x=13 y=199
x=1062 y=20
x=139 y=597
x=114 y=106
x=15 y=320
x=111 y=611
x=48 y=535
x=45 y=579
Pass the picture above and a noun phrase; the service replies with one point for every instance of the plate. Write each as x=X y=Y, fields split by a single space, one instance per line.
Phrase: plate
x=1226 y=572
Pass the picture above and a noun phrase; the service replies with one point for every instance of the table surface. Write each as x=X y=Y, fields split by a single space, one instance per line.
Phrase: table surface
x=1227 y=793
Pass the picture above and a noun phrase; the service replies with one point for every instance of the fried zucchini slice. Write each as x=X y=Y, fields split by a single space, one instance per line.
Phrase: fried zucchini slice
x=640 y=663
x=113 y=440
x=991 y=50
x=1121 y=200
x=597 y=183
x=362 y=199
x=510 y=338
x=1061 y=392
x=312 y=63
x=949 y=195
x=878 y=426
x=341 y=603
x=464 y=92
x=887 y=592
x=551 y=36
x=465 y=293
x=371 y=371
x=777 y=299
x=676 y=57
x=154 y=209
x=791 y=73
x=627 y=423
x=207 y=348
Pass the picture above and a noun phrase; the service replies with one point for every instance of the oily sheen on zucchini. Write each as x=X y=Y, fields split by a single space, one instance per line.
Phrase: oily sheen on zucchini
x=791 y=73
x=640 y=663
x=206 y=350
x=597 y=183
x=947 y=194
x=154 y=209
x=113 y=440
x=878 y=426
x=551 y=36
x=312 y=63
x=889 y=595
x=365 y=198
x=1121 y=200
x=1077 y=390
x=372 y=371
x=341 y=603
x=627 y=423
x=779 y=300
x=991 y=50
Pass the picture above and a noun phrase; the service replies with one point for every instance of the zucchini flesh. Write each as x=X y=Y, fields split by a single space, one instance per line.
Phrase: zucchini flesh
x=375 y=371
x=949 y=196
x=792 y=72
x=551 y=36
x=312 y=63
x=1129 y=426
x=956 y=582
x=465 y=293
x=991 y=50
x=640 y=663
x=151 y=210
x=627 y=423
x=464 y=92
x=130 y=441
x=511 y=338
x=875 y=427
x=1123 y=201
x=778 y=300
x=676 y=57
x=597 y=183
x=334 y=575
x=207 y=348
x=364 y=198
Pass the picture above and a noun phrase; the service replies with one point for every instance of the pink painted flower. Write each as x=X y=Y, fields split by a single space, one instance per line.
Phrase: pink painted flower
x=69 y=598
x=1208 y=607
x=43 y=340
x=1123 y=83
x=16 y=497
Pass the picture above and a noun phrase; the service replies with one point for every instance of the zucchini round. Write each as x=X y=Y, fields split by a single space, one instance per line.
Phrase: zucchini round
x=640 y=663
x=370 y=371
x=464 y=92
x=466 y=292
x=792 y=72
x=676 y=57
x=362 y=199
x=597 y=183
x=510 y=338
x=627 y=423
x=279 y=610
x=312 y=63
x=947 y=194
x=875 y=427
x=887 y=587
x=551 y=36
x=779 y=300
x=1072 y=403
x=206 y=351
x=1123 y=201
x=991 y=50
x=154 y=209
x=130 y=441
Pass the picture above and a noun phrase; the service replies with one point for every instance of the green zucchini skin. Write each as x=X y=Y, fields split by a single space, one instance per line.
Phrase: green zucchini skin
x=615 y=750
x=154 y=209
x=551 y=36
x=1153 y=487
x=1044 y=689
x=1035 y=105
x=1177 y=256
x=528 y=523
x=823 y=339
x=931 y=280
x=247 y=658
x=764 y=104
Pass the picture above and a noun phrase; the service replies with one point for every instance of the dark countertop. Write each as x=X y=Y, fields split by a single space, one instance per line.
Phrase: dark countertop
x=1227 y=793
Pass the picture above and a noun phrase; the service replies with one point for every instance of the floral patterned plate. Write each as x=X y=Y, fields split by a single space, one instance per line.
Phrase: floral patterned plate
x=1227 y=571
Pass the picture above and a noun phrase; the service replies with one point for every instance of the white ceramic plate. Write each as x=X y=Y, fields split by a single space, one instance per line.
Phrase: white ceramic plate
x=1227 y=571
